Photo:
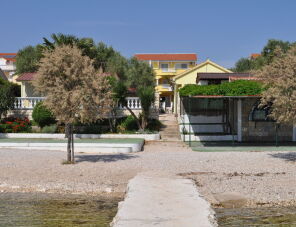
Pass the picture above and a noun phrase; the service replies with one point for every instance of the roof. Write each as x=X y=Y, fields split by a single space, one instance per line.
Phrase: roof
x=8 y=56
x=255 y=55
x=166 y=57
x=26 y=77
x=201 y=65
x=30 y=76
x=223 y=76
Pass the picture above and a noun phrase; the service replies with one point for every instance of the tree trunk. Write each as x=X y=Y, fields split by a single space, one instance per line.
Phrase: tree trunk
x=72 y=144
x=69 y=142
x=134 y=115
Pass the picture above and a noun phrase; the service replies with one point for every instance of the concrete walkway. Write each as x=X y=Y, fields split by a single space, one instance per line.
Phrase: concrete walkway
x=163 y=201
x=170 y=129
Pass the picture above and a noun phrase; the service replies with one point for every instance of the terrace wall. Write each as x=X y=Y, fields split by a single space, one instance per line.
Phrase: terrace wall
x=262 y=131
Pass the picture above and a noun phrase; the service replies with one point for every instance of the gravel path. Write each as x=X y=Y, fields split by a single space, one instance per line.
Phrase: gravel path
x=260 y=177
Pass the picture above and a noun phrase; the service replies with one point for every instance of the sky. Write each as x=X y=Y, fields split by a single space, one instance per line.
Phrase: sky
x=221 y=30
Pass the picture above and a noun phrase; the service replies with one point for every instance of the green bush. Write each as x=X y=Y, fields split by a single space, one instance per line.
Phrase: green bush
x=154 y=125
x=49 y=128
x=128 y=124
x=42 y=116
x=88 y=129
x=235 y=88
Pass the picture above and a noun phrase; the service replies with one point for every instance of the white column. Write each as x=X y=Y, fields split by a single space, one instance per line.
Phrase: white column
x=239 y=120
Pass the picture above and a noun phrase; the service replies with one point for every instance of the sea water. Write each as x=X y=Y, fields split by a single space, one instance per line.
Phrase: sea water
x=42 y=209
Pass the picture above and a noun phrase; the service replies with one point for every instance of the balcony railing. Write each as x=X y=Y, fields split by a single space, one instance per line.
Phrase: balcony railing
x=28 y=103
x=167 y=86
x=133 y=103
x=8 y=67
x=168 y=70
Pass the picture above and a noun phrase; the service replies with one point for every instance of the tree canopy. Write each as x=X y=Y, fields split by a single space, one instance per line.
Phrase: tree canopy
x=74 y=89
x=266 y=56
x=280 y=79
x=7 y=96
x=28 y=58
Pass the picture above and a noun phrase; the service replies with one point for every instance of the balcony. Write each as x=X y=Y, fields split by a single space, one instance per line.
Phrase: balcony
x=8 y=67
x=168 y=70
x=28 y=103
x=164 y=87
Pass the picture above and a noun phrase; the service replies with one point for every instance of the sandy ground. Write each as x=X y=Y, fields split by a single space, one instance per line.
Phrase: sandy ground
x=259 y=177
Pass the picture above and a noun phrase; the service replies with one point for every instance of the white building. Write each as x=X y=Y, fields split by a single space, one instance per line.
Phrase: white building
x=7 y=64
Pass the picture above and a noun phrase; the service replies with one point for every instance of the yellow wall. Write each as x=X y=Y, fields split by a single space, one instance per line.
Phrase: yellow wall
x=205 y=67
x=159 y=73
x=27 y=90
x=161 y=76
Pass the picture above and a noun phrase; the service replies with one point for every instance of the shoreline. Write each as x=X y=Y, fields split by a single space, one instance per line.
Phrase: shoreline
x=120 y=197
x=16 y=189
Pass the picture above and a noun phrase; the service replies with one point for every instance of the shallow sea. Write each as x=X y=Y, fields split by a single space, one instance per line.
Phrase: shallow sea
x=43 y=209
x=272 y=216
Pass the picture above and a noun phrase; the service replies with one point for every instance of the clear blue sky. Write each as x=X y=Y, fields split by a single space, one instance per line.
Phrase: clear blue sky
x=222 y=30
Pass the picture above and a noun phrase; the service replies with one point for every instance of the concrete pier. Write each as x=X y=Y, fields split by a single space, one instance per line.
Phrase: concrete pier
x=163 y=201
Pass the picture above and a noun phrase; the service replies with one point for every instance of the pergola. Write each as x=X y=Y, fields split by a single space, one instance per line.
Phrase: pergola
x=228 y=107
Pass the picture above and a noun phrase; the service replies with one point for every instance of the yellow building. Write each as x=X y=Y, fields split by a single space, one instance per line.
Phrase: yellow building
x=166 y=67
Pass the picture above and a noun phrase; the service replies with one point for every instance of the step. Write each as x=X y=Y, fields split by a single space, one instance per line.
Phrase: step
x=163 y=201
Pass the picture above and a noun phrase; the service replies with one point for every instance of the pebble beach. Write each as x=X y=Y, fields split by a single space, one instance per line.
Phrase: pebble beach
x=256 y=178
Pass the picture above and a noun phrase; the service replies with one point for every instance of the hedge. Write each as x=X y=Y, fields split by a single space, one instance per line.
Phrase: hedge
x=235 y=88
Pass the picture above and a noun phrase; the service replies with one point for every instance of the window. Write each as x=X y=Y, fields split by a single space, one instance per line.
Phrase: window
x=164 y=67
x=181 y=66
x=259 y=113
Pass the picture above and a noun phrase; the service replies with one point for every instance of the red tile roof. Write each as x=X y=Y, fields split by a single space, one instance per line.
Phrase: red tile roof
x=166 y=57
x=8 y=56
x=26 y=77
x=255 y=55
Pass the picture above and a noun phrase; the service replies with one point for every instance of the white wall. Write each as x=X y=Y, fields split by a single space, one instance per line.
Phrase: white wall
x=202 y=128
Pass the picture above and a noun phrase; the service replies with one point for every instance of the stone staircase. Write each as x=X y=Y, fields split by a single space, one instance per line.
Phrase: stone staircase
x=170 y=129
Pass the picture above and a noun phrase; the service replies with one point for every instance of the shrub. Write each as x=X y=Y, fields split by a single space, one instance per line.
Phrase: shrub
x=42 y=116
x=49 y=129
x=15 y=125
x=128 y=124
x=154 y=125
x=7 y=96
x=88 y=129
x=235 y=88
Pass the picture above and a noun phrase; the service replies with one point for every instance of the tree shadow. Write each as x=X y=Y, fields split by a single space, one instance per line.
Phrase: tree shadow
x=104 y=157
x=290 y=156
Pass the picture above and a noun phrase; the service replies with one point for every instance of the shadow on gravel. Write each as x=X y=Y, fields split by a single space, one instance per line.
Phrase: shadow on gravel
x=290 y=156
x=103 y=158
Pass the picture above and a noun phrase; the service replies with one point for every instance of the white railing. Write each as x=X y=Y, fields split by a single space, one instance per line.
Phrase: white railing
x=168 y=70
x=28 y=103
x=7 y=67
x=133 y=103
x=167 y=86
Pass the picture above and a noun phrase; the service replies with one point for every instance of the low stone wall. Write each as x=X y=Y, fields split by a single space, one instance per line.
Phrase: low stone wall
x=147 y=137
